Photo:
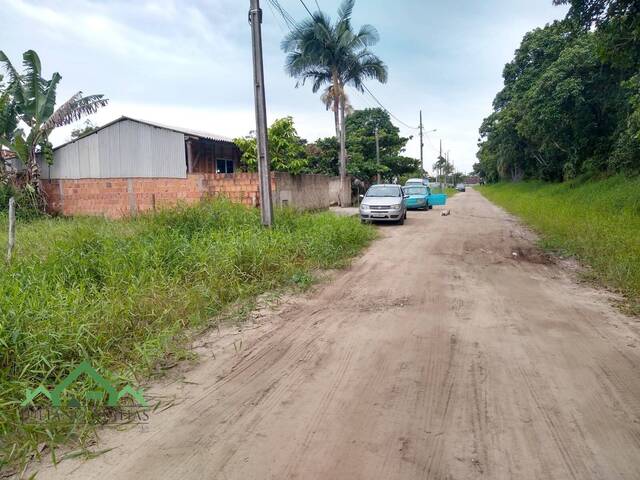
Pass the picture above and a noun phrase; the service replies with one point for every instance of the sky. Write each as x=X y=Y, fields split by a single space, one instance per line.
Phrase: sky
x=188 y=62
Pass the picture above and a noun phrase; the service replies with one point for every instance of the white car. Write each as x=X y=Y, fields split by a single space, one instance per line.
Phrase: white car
x=417 y=181
x=384 y=203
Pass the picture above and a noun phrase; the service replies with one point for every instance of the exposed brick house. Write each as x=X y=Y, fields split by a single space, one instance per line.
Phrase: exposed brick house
x=130 y=165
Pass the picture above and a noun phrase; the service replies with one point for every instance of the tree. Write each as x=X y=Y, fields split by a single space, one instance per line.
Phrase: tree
x=323 y=156
x=286 y=148
x=361 y=143
x=87 y=127
x=333 y=54
x=570 y=104
x=32 y=99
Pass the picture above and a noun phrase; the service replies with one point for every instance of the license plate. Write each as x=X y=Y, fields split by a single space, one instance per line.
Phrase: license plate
x=379 y=215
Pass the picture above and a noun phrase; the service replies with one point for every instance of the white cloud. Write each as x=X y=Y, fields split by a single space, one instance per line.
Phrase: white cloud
x=188 y=62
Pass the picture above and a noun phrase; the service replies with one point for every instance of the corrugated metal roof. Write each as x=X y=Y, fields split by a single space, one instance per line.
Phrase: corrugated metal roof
x=185 y=131
x=122 y=149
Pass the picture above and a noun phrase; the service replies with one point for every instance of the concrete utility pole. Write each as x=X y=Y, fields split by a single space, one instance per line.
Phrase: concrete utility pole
x=266 y=207
x=440 y=158
x=378 y=151
x=445 y=172
x=421 y=144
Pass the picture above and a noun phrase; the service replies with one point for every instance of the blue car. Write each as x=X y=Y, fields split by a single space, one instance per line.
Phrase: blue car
x=420 y=197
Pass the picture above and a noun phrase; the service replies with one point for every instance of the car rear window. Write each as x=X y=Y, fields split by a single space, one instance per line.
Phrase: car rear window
x=383 y=191
x=415 y=190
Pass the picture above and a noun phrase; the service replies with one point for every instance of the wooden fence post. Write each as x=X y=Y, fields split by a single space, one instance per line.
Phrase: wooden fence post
x=12 y=227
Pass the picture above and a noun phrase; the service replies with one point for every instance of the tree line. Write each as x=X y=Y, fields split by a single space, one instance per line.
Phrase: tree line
x=291 y=153
x=570 y=105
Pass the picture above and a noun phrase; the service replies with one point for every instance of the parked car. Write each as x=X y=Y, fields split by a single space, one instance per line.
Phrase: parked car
x=460 y=187
x=384 y=203
x=422 y=197
x=418 y=196
x=417 y=181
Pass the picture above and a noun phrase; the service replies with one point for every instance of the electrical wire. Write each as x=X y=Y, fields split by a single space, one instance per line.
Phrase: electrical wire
x=288 y=19
x=387 y=110
x=306 y=8
x=278 y=21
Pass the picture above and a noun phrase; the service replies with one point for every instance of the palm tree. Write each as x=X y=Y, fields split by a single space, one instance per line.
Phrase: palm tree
x=327 y=98
x=32 y=99
x=333 y=54
x=440 y=166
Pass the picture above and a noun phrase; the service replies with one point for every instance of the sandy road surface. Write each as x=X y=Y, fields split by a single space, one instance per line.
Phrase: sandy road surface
x=438 y=355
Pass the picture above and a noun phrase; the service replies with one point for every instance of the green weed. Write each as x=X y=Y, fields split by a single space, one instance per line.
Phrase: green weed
x=125 y=294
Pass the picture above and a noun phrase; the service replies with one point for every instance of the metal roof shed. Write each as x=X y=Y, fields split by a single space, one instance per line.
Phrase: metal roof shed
x=131 y=148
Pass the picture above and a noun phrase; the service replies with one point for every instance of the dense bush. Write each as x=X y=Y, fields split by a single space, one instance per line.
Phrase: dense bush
x=571 y=98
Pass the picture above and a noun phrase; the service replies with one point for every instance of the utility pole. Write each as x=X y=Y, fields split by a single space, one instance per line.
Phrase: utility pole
x=440 y=158
x=453 y=167
x=378 y=152
x=266 y=207
x=421 y=143
x=445 y=172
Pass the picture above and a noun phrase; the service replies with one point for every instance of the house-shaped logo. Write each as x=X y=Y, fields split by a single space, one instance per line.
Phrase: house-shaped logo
x=103 y=388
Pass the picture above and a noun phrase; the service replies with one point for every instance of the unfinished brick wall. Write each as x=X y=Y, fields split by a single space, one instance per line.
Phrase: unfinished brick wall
x=118 y=197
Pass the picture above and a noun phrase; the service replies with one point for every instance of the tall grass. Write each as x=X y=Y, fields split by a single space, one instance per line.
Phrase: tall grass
x=124 y=294
x=598 y=221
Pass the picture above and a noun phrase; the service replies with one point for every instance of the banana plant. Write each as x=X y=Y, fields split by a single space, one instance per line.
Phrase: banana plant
x=28 y=115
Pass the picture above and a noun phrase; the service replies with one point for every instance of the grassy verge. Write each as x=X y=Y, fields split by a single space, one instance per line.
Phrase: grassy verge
x=596 y=221
x=451 y=192
x=125 y=294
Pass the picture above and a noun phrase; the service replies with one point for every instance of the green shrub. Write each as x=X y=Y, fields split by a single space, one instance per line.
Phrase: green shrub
x=26 y=207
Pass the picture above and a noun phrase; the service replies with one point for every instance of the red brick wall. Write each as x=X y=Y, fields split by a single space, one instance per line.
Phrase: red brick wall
x=118 y=197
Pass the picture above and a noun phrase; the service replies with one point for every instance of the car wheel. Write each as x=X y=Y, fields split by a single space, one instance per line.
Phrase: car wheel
x=430 y=207
x=401 y=221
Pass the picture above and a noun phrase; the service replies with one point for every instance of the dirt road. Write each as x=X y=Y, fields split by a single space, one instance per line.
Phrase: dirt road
x=438 y=355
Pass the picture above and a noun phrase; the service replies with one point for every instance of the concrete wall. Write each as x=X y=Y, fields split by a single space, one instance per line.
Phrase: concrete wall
x=118 y=197
x=307 y=192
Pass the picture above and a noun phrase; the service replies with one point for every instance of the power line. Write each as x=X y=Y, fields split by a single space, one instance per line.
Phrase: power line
x=318 y=5
x=288 y=18
x=306 y=8
x=273 y=12
x=387 y=110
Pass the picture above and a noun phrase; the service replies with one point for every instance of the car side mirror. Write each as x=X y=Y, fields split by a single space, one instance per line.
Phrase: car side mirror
x=406 y=196
x=361 y=196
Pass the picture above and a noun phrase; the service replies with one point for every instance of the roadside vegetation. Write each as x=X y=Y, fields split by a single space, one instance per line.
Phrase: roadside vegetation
x=598 y=222
x=29 y=100
x=570 y=105
x=127 y=294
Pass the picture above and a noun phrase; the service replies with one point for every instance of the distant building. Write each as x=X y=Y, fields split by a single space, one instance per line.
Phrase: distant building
x=472 y=180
